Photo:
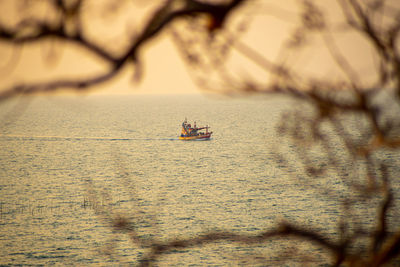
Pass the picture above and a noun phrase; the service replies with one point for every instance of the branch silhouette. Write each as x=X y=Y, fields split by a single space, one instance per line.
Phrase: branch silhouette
x=165 y=15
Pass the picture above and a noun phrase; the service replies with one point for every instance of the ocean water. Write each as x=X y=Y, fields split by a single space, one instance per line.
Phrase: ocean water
x=70 y=165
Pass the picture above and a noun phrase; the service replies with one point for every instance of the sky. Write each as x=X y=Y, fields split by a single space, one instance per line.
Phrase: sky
x=268 y=23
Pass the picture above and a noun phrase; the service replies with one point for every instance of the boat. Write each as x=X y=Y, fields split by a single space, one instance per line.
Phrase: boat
x=194 y=133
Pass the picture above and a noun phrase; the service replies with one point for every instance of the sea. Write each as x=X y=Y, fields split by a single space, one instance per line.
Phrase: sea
x=73 y=166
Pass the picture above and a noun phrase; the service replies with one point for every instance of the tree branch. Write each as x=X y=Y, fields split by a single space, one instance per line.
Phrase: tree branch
x=74 y=83
x=284 y=230
x=159 y=21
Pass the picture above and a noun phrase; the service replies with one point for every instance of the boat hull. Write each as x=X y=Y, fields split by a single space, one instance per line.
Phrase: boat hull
x=197 y=137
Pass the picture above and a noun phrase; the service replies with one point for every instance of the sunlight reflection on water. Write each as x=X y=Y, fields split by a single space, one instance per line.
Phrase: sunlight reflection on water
x=121 y=155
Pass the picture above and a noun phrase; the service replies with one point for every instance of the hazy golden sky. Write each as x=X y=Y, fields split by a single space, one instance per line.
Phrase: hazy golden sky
x=269 y=25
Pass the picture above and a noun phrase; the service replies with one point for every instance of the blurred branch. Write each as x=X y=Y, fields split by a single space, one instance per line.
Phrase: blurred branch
x=383 y=40
x=75 y=83
x=31 y=30
x=381 y=229
x=389 y=251
x=284 y=230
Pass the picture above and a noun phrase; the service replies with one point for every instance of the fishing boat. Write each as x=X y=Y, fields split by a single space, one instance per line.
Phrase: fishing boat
x=194 y=133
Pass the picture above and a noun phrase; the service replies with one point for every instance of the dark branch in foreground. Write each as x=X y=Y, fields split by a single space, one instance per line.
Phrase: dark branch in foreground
x=74 y=83
x=285 y=230
x=218 y=13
